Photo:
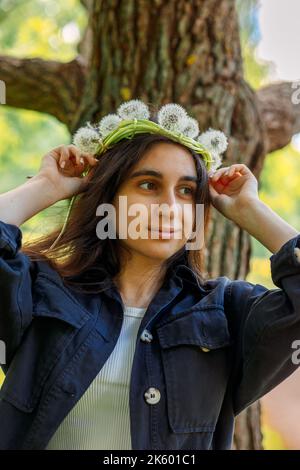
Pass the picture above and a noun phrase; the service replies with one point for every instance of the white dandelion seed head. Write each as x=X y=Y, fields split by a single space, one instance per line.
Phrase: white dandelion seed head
x=216 y=163
x=213 y=140
x=172 y=117
x=109 y=123
x=133 y=109
x=86 y=139
x=192 y=128
x=91 y=126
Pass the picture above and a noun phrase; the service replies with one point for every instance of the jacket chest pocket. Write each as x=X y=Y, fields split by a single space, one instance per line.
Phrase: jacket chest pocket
x=196 y=366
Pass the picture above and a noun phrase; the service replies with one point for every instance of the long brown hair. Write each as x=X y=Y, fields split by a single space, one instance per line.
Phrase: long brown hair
x=88 y=263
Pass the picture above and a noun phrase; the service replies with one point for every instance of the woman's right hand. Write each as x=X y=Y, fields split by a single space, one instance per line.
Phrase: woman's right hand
x=62 y=167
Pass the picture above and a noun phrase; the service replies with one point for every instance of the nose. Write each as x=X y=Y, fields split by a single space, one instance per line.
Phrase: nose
x=169 y=198
x=168 y=209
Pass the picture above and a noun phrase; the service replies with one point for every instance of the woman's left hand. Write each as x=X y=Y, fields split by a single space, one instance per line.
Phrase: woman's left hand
x=232 y=189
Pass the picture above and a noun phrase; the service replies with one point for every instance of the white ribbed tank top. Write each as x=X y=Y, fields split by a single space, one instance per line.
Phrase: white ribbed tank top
x=100 y=419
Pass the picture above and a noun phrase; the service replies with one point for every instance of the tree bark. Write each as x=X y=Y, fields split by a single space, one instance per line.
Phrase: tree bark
x=160 y=52
x=42 y=85
x=279 y=108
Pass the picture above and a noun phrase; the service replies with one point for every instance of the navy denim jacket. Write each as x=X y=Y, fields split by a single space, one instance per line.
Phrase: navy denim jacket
x=203 y=353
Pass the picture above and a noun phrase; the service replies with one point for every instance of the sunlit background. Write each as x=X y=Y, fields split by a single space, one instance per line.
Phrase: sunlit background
x=270 y=36
x=275 y=32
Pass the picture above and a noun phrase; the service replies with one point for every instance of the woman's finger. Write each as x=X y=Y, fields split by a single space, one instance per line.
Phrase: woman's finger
x=229 y=171
x=73 y=150
x=83 y=156
x=243 y=168
x=218 y=173
x=89 y=158
x=77 y=155
x=232 y=174
x=64 y=157
x=213 y=192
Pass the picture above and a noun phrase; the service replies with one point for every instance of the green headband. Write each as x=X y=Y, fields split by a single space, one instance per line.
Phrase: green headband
x=133 y=117
x=129 y=128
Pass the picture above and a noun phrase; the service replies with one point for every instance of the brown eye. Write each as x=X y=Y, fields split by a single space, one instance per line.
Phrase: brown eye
x=190 y=190
x=147 y=182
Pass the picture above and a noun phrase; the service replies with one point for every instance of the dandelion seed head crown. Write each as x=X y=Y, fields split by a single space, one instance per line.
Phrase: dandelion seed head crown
x=133 y=117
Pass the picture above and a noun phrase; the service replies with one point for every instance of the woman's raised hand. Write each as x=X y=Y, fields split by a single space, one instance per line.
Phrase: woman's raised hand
x=63 y=167
x=232 y=189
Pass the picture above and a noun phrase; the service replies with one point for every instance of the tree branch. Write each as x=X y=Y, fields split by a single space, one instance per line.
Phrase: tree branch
x=56 y=88
x=43 y=85
x=279 y=114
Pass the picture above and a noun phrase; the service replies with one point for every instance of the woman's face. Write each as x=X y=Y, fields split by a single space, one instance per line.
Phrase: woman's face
x=166 y=175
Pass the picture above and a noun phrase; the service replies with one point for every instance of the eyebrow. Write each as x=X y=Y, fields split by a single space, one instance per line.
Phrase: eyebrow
x=156 y=173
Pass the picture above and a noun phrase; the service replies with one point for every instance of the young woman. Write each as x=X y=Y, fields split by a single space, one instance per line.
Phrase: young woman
x=121 y=343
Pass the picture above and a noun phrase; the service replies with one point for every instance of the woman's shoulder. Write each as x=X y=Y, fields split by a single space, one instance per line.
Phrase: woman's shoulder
x=44 y=268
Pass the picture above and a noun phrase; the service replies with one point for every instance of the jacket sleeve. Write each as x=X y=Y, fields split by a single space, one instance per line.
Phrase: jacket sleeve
x=266 y=326
x=16 y=270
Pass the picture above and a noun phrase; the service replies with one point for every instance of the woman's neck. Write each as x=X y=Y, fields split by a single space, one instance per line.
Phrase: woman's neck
x=139 y=280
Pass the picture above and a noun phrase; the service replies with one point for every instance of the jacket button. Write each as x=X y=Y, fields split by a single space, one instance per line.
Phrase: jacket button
x=146 y=336
x=152 y=396
x=205 y=349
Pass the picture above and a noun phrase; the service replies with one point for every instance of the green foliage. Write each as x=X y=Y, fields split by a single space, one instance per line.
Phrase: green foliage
x=43 y=28
x=255 y=71
x=278 y=181
x=280 y=189
x=51 y=30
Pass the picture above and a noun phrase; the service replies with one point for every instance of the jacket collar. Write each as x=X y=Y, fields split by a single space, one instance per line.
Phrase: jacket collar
x=185 y=273
x=180 y=276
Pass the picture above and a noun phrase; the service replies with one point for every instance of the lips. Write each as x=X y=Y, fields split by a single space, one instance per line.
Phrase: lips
x=163 y=230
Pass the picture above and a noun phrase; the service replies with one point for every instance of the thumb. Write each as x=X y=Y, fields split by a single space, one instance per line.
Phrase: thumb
x=83 y=182
x=213 y=193
x=79 y=184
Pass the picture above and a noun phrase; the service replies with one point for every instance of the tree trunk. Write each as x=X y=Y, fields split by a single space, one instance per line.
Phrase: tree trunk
x=166 y=51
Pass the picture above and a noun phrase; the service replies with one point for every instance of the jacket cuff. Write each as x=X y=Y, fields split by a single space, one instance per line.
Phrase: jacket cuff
x=10 y=238
x=286 y=261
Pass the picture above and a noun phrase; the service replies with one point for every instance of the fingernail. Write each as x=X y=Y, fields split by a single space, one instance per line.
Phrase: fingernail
x=62 y=164
x=81 y=161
